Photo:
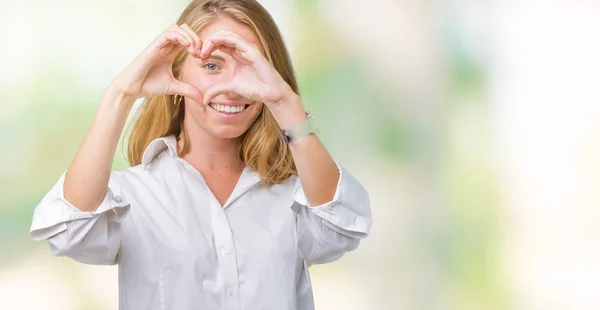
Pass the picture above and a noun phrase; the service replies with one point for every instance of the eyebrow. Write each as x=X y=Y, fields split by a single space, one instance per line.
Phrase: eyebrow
x=216 y=57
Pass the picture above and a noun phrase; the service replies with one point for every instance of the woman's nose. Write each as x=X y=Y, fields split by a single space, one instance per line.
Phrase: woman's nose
x=232 y=96
x=227 y=77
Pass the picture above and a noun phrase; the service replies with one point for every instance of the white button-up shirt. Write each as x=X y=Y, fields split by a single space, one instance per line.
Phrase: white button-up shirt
x=177 y=248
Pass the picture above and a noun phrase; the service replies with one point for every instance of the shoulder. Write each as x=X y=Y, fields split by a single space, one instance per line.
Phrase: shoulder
x=127 y=177
x=285 y=189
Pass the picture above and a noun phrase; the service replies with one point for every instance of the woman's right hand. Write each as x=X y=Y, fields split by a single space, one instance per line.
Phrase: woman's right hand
x=151 y=74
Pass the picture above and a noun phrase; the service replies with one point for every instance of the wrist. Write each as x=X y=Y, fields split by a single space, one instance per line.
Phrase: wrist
x=289 y=111
x=116 y=99
x=300 y=130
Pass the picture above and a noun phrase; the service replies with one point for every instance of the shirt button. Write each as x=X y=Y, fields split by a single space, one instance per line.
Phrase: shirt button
x=231 y=292
x=226 y=251
x=118 y=199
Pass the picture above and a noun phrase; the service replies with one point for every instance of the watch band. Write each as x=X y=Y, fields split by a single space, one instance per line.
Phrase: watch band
x=303 y=129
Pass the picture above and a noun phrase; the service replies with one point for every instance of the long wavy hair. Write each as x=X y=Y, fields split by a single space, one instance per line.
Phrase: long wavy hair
x=262 y=148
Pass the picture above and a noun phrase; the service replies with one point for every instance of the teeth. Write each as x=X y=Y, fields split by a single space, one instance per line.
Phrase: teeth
x=228 y=108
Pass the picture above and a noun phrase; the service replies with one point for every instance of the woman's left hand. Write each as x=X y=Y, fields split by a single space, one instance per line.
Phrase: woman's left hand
x=255 y=78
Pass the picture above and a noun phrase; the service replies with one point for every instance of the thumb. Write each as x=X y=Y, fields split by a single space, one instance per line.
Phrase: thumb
x=187 y=90
x=216 y=90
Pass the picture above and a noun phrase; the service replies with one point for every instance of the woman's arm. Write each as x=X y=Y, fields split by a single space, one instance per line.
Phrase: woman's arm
x=317 y=171
x=86 y=181
x=148 y=75
x=81 y=214
x=333 y=208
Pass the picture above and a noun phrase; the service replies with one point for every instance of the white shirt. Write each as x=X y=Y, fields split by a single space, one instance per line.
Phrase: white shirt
x=177 y=248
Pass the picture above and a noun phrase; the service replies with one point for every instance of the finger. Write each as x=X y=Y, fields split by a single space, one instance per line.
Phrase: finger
x=186 y=90
x=231 y=51
x=192 y=47
x=222 y=38
x=174 y=37
x=228 y=39
x=197 y=40
x=216 y=90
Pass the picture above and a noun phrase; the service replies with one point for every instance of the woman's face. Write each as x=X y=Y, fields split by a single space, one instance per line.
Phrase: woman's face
x=220 y=118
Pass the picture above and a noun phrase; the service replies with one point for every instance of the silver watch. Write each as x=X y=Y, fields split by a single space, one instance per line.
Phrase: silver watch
x=303 y=129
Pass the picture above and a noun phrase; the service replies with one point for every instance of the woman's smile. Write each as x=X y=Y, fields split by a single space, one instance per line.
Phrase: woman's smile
x=229 y=110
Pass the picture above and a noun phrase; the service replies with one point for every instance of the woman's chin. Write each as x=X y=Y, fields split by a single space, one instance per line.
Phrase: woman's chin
x=227 y=133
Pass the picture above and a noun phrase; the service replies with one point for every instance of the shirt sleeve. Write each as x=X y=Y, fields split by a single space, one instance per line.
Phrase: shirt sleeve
x=327 y=231
x=88 y=237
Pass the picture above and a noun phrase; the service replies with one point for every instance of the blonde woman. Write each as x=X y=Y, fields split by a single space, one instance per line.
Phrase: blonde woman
x=230 y=196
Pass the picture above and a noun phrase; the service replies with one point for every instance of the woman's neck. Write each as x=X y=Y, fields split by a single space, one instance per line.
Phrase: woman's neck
x=208 y=153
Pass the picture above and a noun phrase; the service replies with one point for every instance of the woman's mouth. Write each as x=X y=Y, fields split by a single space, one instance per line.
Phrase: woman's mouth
x=228 y=109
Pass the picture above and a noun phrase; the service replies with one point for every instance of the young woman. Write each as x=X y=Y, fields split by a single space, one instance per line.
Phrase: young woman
x=230 y=195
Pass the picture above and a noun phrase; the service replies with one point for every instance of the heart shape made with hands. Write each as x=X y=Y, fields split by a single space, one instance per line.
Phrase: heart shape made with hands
x=255 y=77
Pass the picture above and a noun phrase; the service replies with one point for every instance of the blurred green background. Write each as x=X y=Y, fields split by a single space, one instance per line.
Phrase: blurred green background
x=474 y=125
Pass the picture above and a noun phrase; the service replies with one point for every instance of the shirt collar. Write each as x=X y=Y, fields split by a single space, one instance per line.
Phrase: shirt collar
x=157 y=146
x=248 y=178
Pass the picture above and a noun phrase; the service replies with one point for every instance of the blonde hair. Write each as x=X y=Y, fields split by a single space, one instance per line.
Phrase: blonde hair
x=262 y=148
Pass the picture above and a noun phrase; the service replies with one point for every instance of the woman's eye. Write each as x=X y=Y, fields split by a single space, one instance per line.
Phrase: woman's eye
x=211 y=66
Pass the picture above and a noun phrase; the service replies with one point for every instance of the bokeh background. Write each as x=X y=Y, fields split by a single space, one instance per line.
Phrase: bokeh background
x=475 y=126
